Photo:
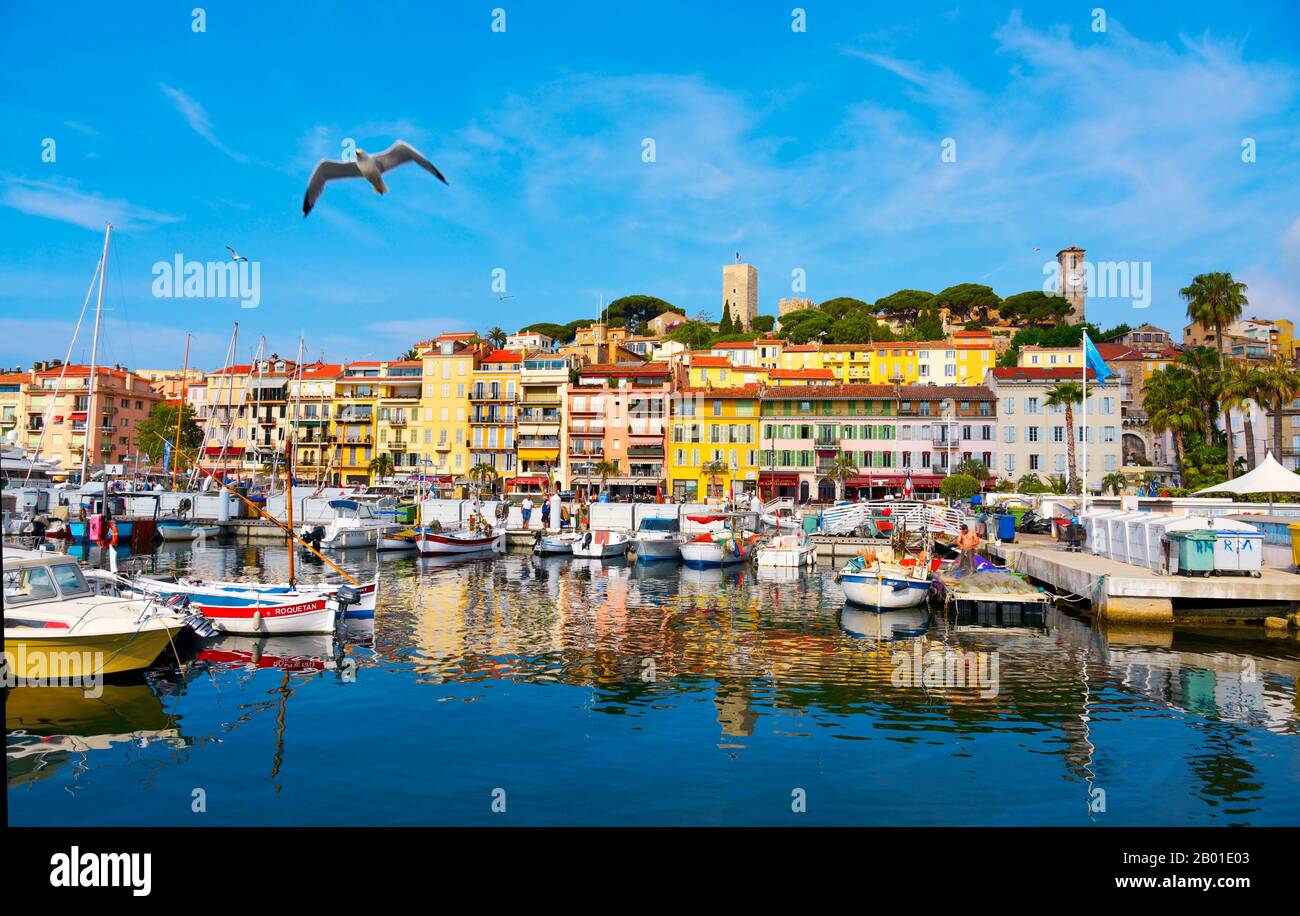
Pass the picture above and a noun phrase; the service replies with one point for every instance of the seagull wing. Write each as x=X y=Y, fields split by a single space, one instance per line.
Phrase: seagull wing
x=401 y=152
x=326 y=170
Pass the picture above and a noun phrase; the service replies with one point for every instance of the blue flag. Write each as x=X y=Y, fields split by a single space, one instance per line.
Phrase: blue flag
x=1094 y=361
x=167 y=455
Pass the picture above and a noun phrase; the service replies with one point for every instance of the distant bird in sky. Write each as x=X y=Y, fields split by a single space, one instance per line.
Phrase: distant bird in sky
x=502 y=297
x=371 y=168
x=1036 y=248
x=235 y=255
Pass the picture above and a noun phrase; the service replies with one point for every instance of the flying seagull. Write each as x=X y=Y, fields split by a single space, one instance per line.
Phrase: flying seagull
x=235 y=255
x=366 y=166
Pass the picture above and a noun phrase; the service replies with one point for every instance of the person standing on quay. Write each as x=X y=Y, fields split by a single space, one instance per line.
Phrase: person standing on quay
x=526 y=510
x=967 y=542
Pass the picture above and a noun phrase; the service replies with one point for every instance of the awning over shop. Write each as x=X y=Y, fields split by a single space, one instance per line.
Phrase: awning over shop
x=230 y=451
x=925 y=481
x=778 y=480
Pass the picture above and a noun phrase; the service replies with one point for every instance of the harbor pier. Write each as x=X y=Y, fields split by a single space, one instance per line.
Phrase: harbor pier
x=1124 y=593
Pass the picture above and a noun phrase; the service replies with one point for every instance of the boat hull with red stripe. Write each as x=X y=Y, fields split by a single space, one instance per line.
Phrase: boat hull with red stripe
x=431 y=544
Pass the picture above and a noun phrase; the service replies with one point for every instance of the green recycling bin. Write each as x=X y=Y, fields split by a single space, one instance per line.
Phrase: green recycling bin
x=1017 y=512
x=1195 y=552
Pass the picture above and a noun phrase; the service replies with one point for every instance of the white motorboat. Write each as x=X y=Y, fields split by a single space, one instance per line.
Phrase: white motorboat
x=366 y=594
x=788 y=550
x=353 y=524
x=460 y=541
x=788 y=524
x=718 y=549
x=176 y=529
x=656 y=539
x=56 y=627
x=601 y=544
x=874 y=580
x=398 y=538
x=552 y=545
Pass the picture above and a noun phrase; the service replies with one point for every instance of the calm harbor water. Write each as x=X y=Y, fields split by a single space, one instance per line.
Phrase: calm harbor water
x=584 y=693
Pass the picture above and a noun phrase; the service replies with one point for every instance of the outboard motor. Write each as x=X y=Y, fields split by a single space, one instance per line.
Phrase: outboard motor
x=314 y=536
x=346 y=596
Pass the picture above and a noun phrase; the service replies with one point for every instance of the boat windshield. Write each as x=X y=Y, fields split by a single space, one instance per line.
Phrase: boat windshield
x=30 y=584
x=70 y=580
x=659 y=524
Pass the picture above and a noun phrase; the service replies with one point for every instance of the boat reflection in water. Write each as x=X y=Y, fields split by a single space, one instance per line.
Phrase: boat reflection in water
x=46 y=727
x=885 y=626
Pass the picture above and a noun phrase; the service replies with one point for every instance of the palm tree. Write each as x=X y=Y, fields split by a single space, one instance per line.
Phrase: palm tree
x=1170 y=401
x=840 y=470
x=1115 y=482
x=381 y=466
x=1067 y=394
x=715 y=469
x=1279 y=385
x=411 y=354
x=483 y=475
x=497 y=337
x=1240 y=388
x=1059 y=486
x=1215 y=300
x=1030 y=483
x=606 y=469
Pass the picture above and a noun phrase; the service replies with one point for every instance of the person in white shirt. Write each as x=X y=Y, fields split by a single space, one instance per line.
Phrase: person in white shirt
x=526 y=509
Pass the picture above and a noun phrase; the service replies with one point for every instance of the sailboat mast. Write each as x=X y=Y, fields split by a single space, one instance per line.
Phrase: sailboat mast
x=180 y=411
x=94 y=357
x=288 y=506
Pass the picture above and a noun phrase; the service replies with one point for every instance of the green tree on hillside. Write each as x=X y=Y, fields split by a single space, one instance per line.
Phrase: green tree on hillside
x=966 y=301
x=160 y=425
x=904 y=305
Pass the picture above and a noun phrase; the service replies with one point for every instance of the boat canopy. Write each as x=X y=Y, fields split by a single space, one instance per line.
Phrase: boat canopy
x=350 y=508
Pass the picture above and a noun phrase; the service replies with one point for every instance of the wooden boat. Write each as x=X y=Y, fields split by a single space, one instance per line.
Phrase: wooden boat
x=879 y=579
x=367 y=593
x=56 y=627
x=601 y=544
x=248 y=611
x=460 y=541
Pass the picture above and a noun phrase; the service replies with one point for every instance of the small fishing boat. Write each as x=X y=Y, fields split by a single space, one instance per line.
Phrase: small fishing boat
x=885 y=625
x=179 y=529
x=460 y=541
x=601 y=544
x=788 y=550
x=56 y=627
x=874 y=579
x=718 y=549
x=656 y=539
x=398 y=538
x=285 y=653
x=366 y=593
x=554 y=545
x=249 y=612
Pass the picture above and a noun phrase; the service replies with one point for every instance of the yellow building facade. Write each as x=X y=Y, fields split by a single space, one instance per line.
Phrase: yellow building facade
x=449 y=362
x=713 y=425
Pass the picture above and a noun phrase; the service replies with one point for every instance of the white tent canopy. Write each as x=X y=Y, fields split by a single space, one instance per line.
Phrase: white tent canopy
x=1268 y=477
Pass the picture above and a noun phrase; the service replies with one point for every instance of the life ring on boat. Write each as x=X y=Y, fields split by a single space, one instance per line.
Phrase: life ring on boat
x=109 y=539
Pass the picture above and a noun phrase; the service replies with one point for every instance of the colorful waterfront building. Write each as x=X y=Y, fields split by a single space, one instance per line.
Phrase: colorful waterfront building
x=618 y=414
x=896 y=362
x=266 y=396
x=1033 y=438
x=494 y=397
x=939 y=427
x=61 y=419
x=13 y=390
x=541 y=440
x=356 y=394
x=801 y=356
x=311 y=392
x=852 y=363
x=704 y=370
x=714 y=425
x=398 y=423
x=976 y=354
x=783 y=377
x=449 y=361
x=221 y=412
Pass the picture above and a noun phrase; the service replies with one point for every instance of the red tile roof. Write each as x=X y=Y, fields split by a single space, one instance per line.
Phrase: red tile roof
x=734 y=345
x=828 y=392
x=800 y=373
x=614 y=369
x=503 y=356
x=720 y=362
x=323 y=371
x=1039 y=374
x=740 y=391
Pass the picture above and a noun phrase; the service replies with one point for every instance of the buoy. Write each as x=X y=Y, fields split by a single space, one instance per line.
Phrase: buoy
x=257 y=619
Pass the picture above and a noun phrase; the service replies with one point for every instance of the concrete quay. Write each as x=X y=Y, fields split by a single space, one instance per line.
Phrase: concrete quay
x=1123 y=593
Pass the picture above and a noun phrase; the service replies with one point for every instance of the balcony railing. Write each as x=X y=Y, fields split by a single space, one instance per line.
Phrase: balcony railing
x=350 y=415
x=645 y=451
x=539 y=442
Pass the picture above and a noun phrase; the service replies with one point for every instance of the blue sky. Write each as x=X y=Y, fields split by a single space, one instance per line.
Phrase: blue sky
x=817 y=151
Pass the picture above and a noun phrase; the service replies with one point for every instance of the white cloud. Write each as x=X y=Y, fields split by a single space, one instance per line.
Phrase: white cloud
x=67 y=204
x=197 y=117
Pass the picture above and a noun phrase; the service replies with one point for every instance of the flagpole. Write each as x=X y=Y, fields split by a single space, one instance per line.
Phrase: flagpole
x=1083 y=476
